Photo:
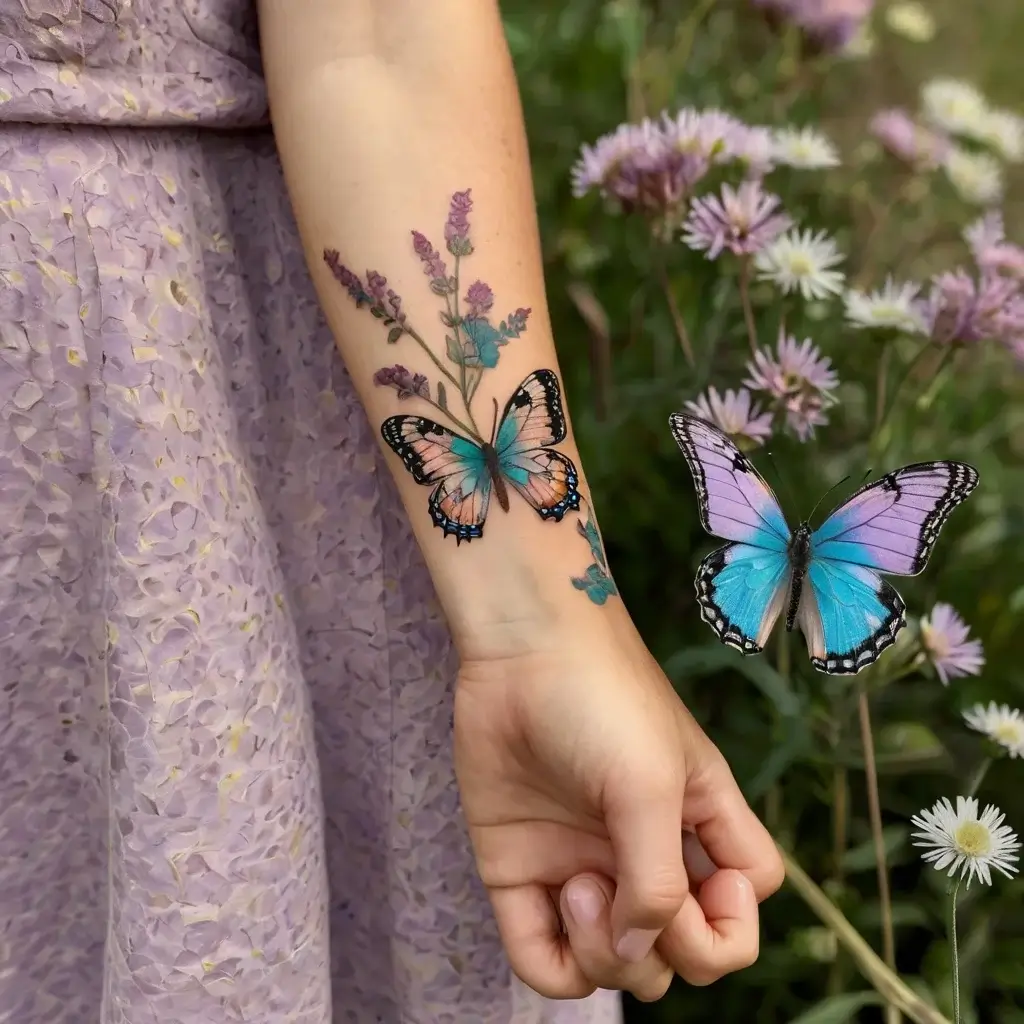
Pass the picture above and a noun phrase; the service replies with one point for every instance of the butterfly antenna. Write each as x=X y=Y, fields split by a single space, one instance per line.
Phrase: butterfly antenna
x=494 y=423
x=783 y=481
x=838 y=483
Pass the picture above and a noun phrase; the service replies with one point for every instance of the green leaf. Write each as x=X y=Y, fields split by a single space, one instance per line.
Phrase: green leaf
x=442 y=396
x=712 y=658
x=454 y=349
x=394 y=334
x=862 y=857
x=838 y=1009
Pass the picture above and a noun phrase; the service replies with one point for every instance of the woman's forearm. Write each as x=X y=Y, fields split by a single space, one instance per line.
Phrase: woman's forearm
x=402 y=139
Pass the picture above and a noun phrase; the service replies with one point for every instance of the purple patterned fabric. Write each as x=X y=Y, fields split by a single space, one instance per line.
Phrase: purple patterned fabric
x=226 y=788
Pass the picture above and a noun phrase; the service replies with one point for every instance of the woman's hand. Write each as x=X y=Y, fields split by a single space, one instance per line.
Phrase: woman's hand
x=579 y=759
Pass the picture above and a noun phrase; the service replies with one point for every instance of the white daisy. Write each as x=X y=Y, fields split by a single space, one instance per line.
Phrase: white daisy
x=965 y=843
x=911 y=20
x=999 y=722
x=977 y=177
x=952 y=104
x=891 y=306
x=802 y=261
x=1003 y=132
x=805 y=148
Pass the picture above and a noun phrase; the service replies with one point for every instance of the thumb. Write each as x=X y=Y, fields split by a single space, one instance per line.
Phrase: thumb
x=644 y=825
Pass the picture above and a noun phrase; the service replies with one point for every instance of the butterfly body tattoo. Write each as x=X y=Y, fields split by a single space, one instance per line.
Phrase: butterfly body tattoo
x=519 y=457
x=827 y=580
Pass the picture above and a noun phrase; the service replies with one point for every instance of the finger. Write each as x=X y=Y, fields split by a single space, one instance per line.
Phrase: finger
x=586 y=903
x=643 y=823
x=537 y=951
x=729 y=831
x=716 y=932
x=699 y=866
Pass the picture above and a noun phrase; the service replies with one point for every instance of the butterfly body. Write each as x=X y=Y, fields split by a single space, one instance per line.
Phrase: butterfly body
x=827 y=580
x=465 y=472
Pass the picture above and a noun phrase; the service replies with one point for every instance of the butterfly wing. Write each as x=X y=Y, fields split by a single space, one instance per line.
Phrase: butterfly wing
x=742 y=587
x=741 y=590
x=892 y=524
x=532 y=421
x=848 y=613
x=436 y=455
x=735 y=502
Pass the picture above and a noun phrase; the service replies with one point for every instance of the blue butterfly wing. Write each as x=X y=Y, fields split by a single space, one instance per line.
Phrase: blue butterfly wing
x=847 y=612
x=848 y=615
x=742 y=588
x=532 y=421
x=435 y=455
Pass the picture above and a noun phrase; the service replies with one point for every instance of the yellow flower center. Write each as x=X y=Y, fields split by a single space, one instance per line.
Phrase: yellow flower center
x=973 y=839
x=800 y=265
x=1009 y=732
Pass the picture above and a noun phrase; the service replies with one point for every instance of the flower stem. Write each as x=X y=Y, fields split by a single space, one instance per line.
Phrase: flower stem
x=748 y=310
x=886 y=982
x=453 y=312
x=418 y=338
x=979 y=777
x=673 y=308
x=892 y=1013
x=882 y=385
x=955 y=952
x=475 y=434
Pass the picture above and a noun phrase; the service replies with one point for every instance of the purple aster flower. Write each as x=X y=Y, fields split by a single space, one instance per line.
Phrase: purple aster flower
x=408 y=385
x=744 y=220
x=944 y=636
x=479 y=299
x=799 y=379
x=456 y=228
x=347 y=278
x=433 y=266
x=909 y=141
x=986 y=238
x=831 y=23
x=961 y=309
x=636 y=166
x=736 y=413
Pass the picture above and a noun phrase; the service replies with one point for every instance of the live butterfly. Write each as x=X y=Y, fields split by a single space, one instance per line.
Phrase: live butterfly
x=465 y=473
x=827 y=580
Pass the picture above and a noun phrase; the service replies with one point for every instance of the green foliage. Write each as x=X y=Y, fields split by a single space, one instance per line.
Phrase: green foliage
x=790 y=734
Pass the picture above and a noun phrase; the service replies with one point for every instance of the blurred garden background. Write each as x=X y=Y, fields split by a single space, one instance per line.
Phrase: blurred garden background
x=792 y=735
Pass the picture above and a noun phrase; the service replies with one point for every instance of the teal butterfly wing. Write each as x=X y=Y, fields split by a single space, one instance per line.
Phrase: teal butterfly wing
x=847 y=612
x=532 y=421
x=743 y=587
x=453 y=464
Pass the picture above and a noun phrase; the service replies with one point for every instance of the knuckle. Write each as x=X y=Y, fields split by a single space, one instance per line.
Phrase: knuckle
x=740 y=954
x=658 y=898
x=775 y=875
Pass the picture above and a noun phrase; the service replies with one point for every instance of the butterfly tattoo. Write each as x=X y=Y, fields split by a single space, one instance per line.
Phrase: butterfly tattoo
x=466 y=474
x=826 y=581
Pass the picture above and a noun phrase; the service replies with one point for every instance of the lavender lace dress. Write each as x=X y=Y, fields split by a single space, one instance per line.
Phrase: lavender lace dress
x=226 y=792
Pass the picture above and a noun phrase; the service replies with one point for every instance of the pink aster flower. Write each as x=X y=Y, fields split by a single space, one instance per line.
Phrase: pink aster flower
x=960 y=309
x=986 y=238
x=736 y=413
x=637 y=166
x=744 y=220
x=831 y=23
x=944 y=636
x=909 y=141
x=799 y=379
